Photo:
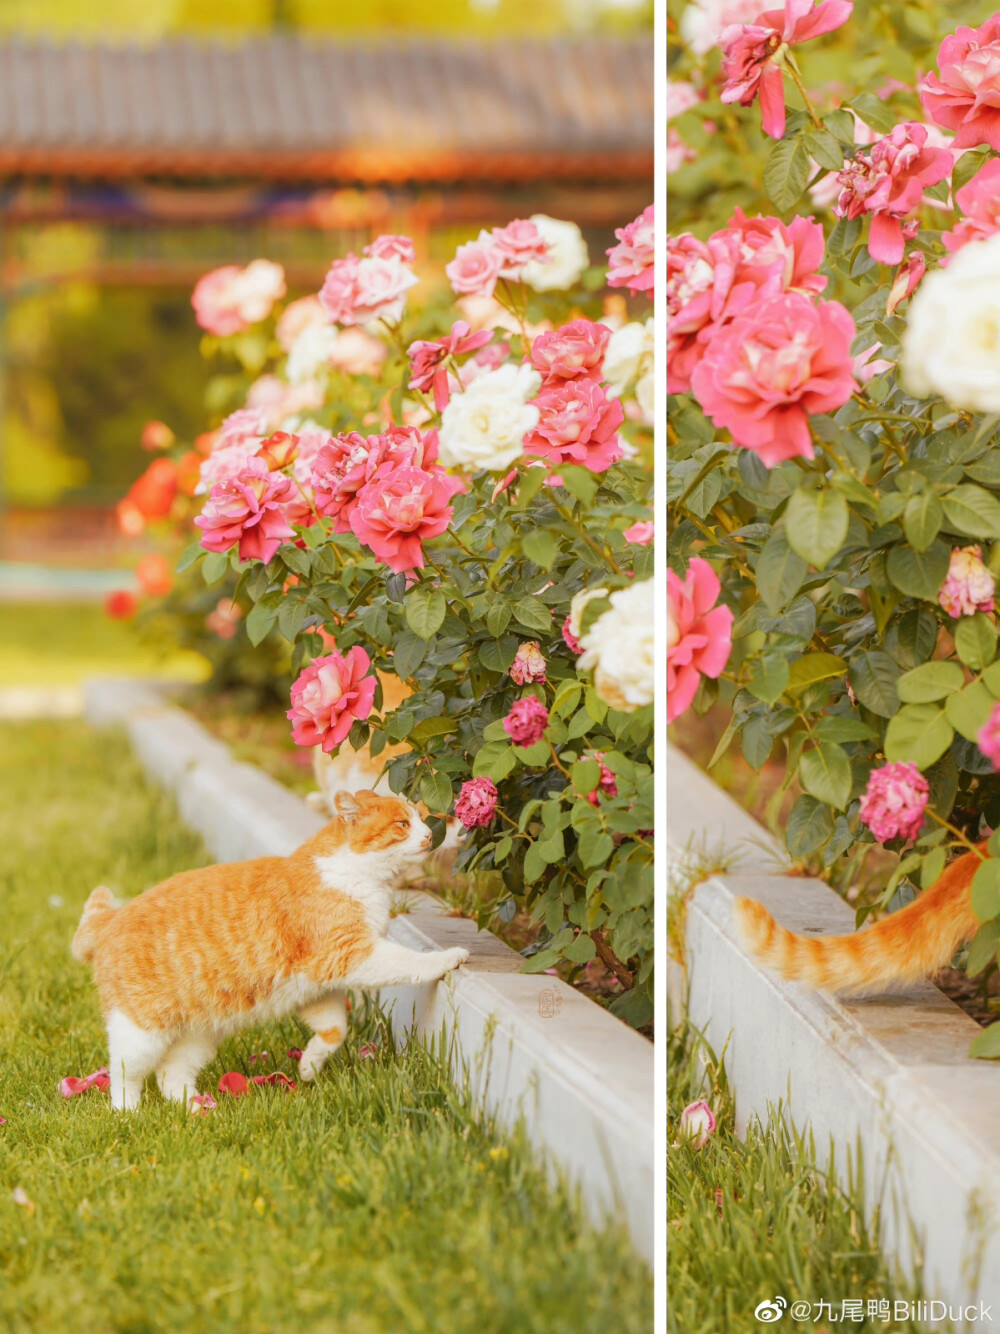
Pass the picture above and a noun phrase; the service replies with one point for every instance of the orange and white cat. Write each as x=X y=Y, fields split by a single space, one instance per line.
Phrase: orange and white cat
x=903 y=947
x=209 y=952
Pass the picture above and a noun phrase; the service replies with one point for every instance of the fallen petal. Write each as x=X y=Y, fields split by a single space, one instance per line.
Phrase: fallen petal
x=295 y=1053
x=201 y=1104
x=233 y=1083
x=259 y=1056
x=21 y=1197
x=368 y=1052
x=73 y=1085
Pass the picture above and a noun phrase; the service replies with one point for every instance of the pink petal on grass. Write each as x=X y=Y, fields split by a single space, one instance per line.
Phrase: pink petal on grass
x=73 y=1085
x=276 y=1078
x=368 y=1052
x=295 y=1053
x=201 y=1104
x=233 y=1083
x=259 y=1056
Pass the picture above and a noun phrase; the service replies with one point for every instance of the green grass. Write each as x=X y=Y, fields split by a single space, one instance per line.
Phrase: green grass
x=374 y=1202
x=750 y=1219
x=60 y=643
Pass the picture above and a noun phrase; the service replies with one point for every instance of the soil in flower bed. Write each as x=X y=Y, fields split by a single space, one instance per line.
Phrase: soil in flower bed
x=375 y=1198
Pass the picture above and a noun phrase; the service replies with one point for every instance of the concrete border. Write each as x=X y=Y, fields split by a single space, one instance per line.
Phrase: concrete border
x=534 y=1047
x=890 y=1074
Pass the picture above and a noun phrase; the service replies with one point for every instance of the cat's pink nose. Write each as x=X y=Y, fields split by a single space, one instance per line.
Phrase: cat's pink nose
x=427 y=839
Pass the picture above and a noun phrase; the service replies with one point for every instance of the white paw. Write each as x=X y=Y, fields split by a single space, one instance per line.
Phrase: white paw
x=311 y=1061
x=453 y=958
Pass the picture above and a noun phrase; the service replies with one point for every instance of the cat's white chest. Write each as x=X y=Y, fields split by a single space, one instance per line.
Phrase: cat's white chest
x=352 y=875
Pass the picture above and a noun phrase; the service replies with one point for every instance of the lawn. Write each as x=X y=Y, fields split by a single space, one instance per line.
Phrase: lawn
x=60 y=643
x=374 y=1202
x=755 y=1218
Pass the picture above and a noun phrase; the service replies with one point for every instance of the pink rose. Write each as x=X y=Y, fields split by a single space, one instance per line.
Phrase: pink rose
x=358 y=290
x=681 y=96
x=296 y=318
x=356 y=352
x=476 y=267
x=519 y=243
x=392 y=247
x=640 y=533
x=528 y=665
x=979 y=200
x=969 y=585
x=231 y=299
x=576 y=351
x=888 y=181
x=476 y=803
x=865 y=369
x=570 y=639
x=966 y=97
x=630 y=262
x=678 y=153
x=607 y=783
x=329 y=695
x=699 y=634
x=577 y=423
x=224 y=619
x=247 y=510
x=427 y=359
x=906 y=281
x=779 y=257
x=396 y=513
x=275 y=399
x=894 y=801
x=753 y=54
x=526 y=722
x=347 y=463
x=989 y=737
x=764 y=373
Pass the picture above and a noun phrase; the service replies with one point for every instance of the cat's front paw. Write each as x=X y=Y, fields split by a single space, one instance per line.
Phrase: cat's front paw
x=453 y=958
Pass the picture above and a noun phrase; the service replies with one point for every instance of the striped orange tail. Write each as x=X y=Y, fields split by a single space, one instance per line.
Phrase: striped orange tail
x=906 y=945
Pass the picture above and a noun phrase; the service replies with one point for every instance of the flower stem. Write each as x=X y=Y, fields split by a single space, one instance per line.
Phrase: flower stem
x=793 y=70
x=957 y=833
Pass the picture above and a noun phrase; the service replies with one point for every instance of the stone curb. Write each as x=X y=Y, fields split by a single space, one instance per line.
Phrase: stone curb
x=532 y=1046
x=889 y=1074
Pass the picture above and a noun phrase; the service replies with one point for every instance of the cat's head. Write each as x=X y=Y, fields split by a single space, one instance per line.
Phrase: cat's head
x=388 y=828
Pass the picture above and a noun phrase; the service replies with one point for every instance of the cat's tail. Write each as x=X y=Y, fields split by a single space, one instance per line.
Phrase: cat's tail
x=903 y=947
x=95 y=912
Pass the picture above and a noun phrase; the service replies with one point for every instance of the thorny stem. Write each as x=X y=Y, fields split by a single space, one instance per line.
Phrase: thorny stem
x=793 y=70
x=957 y=833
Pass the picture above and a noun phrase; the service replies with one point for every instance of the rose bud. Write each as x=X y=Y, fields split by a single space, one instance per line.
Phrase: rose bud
x=279 y=450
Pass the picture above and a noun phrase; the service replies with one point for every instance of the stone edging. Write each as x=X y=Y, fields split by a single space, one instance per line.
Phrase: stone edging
x=888 y=1073
x=533 y=1046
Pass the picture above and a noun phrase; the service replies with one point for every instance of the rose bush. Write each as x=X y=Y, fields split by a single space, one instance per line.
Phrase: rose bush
x=833 y=443
x=442 y=511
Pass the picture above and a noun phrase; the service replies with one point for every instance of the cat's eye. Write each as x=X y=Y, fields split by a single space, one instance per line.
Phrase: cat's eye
x=402 y=824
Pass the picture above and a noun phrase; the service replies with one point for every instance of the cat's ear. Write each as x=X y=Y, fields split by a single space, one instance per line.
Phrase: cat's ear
x=345 y=805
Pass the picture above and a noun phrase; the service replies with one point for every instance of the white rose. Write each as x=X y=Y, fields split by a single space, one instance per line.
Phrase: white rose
x=951 y=345
x=629 y=353
x=577 y=604
x=485 y=425
x=567 y=258
x=259 y=286
x=644 y=396
x=619 y=647
x=310 y=352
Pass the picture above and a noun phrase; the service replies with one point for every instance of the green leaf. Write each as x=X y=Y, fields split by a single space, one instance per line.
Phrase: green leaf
x=426 y=609
x=431 y=727
x=968 y=711
x=986 y=890
x=970 y=509
x=770 y=678
x=585 y=774
x=933 y=865
x=873 y=677
x=816 y=524
x=214 y=566
x=780 y=571
x=408 y=653
x=259 y=622
x=976 y=641
x=983 y=949
x=833 y=727
x=919 y=733
x=874 y=112
x=757 y=741
x=436 y=793
x=930 y=682
x=809 y=826
x=498 y=618
x=922 y=519
x=825 y=773
x=580 y=950
x=533 y=614
x=498 y=654
x=813 y=667
x=823 y=146
x=579 y=482
x=919 y=574
x=494 y=760
x=188 y=557
x=541 y=547
x=786 y=173
x=594 y=846
x=987 y=1044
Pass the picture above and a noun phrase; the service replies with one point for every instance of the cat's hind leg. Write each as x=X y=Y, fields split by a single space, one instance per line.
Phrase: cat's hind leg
x=327 y=1017
x=177 y=1073
x=133 y=1053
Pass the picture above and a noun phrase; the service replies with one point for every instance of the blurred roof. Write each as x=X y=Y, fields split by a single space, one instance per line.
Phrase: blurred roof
x=286 y=108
